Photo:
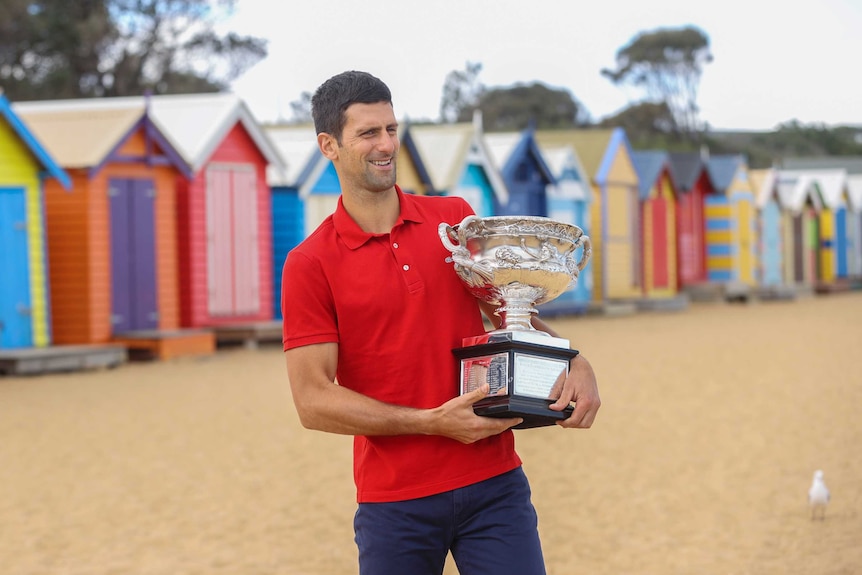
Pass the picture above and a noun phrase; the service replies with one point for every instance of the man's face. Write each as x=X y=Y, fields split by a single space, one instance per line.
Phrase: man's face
x=369 y=146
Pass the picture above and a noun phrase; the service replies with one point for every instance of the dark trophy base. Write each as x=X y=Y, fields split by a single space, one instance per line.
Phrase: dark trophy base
x=524 y=376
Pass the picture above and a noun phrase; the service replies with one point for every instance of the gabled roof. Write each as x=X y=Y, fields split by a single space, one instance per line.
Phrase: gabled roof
x=445 y=149
x=832 y=185
x=596 y=148
x=796 y=188
x=763 y=185
x=563 y=161
x=197 y=123
x=297 y=146
x=33 y=144
x=722 y=169
x=649 y=165
x=507 y=148
x=685 y=169
x=194 y=124
x=80 y=133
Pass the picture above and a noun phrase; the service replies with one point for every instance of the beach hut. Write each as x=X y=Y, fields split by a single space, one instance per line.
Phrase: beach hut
x=413 y=175
x=832 y=227
x=771 y=223
x=693 y=186
x=112 y=241
x=729 y=213
x=800 y=198
x=854 y=229
x=657 y=223
x=225 y=219
x=25 y=165
x=524 y=171
x=569 y=201
x=460 y=164
x=606 y=155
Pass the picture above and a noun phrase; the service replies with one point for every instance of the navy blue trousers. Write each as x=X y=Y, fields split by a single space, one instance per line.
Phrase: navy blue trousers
x=490 y=528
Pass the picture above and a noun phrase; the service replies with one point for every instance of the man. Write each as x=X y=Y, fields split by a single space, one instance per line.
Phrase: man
x=371 y=299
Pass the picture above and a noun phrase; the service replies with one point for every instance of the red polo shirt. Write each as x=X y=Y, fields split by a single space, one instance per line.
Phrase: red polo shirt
x=396 y=308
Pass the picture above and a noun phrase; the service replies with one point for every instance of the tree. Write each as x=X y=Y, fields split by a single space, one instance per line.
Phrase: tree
x=517 y=106
x=667 y=64
x=301 y=109
x=61 y=49
x=461 y=92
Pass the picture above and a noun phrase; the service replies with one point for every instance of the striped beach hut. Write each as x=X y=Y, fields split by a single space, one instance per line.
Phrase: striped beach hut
x=657 y=217
x=606 y=155
x=731 y=226
x=525 y=173
x=693 y=186
x=569 y=201
x=460 y=164
x=25 y=165
x=799 y=194
x=112 y=239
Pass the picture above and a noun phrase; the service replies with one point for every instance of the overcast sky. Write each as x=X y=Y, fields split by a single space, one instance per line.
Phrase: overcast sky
x=774 y=60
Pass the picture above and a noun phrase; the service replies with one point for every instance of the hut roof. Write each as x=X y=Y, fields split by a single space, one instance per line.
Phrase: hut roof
x=32 y=142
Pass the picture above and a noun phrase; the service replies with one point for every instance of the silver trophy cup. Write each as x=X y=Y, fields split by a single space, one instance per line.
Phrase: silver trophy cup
x=516 y=263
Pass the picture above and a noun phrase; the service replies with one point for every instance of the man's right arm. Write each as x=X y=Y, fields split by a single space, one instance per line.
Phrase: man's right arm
x=325 y=406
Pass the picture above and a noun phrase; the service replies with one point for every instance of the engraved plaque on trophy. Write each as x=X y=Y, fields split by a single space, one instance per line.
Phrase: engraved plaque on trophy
x=516 y=263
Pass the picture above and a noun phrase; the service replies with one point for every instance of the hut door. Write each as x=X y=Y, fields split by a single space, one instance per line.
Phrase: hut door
x=133 y=259
x=660 y=248
x=232 y=241
x=16 y=328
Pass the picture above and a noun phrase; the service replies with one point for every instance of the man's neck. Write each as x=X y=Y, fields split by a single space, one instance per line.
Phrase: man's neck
x=374 y=212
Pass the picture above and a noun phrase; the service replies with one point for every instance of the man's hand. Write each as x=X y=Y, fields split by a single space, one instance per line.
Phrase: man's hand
x=582 y=389
x=455 y=419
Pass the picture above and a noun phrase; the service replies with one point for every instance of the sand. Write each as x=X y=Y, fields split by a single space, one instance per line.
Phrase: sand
x=713 y=422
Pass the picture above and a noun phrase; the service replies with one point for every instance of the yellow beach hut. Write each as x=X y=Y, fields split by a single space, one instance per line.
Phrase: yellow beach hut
x=607 y=158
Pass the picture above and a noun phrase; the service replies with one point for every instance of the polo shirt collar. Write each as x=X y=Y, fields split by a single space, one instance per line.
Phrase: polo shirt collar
x=354 y=236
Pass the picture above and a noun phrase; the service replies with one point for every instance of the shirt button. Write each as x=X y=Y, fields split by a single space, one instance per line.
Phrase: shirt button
x=405 y=267
x=395 y=245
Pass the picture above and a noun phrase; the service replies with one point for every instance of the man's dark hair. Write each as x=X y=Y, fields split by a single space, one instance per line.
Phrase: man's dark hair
x=334 y=96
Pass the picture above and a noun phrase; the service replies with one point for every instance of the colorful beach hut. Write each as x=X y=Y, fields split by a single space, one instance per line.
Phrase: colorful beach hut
x=770 y=276
x=524 y=171
x=25 y=165
x=606 y=155
x=112 y=241
x=800 y=198
x=693 y=186
x=731 y=226
x=460 y=164
x=224 y=224
x=657 y=219
x=569 y=201
x=832 y=228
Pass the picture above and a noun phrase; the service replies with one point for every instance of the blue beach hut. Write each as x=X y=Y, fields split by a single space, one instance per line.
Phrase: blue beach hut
x=524 y=171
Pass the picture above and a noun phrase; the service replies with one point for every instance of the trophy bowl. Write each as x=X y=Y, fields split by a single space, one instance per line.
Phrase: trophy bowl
x=515 y=262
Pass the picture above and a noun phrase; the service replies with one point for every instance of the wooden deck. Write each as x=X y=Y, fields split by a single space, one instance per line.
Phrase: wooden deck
x=165 y=345
x=251 y=335
x=60 y=358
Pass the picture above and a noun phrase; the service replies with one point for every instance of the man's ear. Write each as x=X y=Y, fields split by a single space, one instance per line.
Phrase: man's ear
x=328 y=146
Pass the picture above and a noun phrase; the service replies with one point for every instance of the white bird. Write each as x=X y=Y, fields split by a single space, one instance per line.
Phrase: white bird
x=818 y=496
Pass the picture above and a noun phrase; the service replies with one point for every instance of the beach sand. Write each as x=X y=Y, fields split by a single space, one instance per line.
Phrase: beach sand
x=713 y=421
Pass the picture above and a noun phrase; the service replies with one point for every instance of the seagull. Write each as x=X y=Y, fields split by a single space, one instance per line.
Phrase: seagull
x=818 y=496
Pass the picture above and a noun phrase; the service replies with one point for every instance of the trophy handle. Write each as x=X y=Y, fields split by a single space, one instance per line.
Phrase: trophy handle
x=448 y=237
x=588 y=252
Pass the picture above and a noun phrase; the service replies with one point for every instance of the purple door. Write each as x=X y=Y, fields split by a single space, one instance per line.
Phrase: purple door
x=133 y=259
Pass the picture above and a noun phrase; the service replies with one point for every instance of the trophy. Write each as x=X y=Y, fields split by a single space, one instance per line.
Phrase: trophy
x=516 y=263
